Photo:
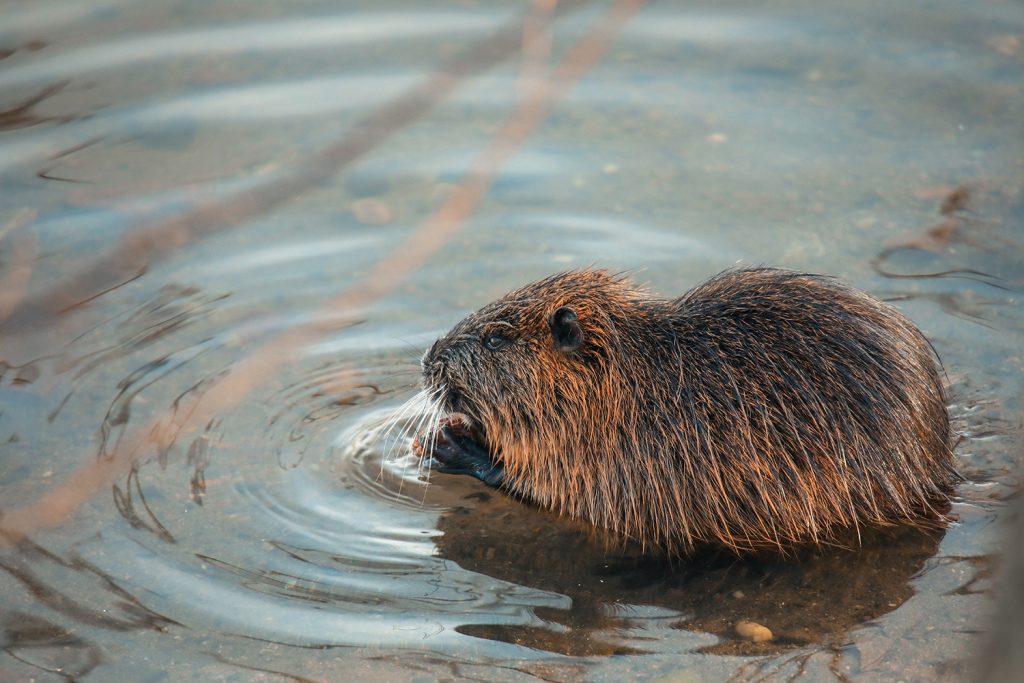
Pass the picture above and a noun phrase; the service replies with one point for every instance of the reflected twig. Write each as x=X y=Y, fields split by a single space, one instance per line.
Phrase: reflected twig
x=15 y=276
x=228 y=390
x=210 y=211
x=22 y=116
x=939 y=238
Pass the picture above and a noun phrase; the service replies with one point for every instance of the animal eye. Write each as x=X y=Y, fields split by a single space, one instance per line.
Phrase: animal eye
x=495 y=342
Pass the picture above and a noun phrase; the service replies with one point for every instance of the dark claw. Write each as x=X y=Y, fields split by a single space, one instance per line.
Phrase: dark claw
x=457 y=454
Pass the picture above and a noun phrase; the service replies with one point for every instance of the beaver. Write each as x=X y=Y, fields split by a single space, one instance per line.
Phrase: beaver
x=764 y=408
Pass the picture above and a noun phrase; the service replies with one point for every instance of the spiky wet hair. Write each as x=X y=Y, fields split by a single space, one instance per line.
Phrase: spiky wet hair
x=764 y=408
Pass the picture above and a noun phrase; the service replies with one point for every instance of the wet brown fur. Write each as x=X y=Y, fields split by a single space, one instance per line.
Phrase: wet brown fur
x=764 y=408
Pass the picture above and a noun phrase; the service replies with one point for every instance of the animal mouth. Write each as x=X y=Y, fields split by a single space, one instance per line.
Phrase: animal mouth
x=454 y=432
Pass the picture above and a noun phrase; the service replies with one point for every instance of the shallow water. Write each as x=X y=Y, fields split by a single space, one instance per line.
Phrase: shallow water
x=191 y=186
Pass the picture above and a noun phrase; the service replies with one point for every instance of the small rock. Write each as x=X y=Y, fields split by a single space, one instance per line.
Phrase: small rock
x=865 y=222
x=1007 y=45
x=372 y=211
x=753 y=631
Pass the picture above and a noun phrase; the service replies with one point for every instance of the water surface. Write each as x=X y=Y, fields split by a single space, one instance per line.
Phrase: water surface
x=184 y=183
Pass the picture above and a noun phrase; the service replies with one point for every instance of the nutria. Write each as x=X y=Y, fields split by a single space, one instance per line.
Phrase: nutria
x=763 y=409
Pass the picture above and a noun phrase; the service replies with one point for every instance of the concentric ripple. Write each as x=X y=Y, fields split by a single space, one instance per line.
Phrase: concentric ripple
x=172 y=211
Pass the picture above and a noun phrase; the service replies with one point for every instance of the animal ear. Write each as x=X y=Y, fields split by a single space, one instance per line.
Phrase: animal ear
x=565 y=329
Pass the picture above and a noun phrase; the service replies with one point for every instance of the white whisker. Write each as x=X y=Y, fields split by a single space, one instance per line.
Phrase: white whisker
x=409 y=409
x=436 y=413
x=416 y=421
x=387 y=427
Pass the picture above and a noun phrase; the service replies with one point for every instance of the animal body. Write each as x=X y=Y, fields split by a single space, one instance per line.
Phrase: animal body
x=762 y=409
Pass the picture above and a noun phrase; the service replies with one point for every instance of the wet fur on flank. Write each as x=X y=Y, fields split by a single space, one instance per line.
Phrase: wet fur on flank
x=762 y=409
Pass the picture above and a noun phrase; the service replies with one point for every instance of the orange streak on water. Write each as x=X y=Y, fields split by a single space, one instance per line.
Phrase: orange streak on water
x=212 y=212
x=64 y=500
x=17 y=269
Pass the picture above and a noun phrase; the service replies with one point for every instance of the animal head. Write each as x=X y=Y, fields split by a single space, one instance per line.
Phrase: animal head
x=522 y=369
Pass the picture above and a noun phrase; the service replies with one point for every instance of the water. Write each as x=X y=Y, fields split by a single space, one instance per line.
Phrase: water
x=189 y=377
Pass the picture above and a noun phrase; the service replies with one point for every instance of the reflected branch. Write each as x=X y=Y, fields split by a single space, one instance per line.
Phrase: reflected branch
x=18 y=269
x=230 y=389
x=212 y=212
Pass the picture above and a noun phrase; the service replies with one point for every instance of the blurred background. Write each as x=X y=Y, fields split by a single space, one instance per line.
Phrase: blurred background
x=228 y=230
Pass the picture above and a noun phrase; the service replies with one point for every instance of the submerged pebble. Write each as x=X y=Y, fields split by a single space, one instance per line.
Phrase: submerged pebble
x=753 y=631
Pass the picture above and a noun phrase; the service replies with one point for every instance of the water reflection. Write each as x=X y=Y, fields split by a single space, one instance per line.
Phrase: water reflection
x=970 y=237
x=47 y=647
x=21 y=115
x=815 y=596
x=223 y=170
x=98 y=601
